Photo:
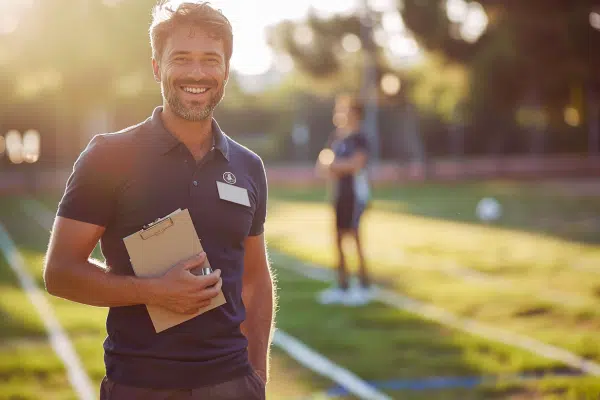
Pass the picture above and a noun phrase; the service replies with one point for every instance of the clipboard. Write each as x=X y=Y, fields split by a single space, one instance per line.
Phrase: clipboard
x=157 y=247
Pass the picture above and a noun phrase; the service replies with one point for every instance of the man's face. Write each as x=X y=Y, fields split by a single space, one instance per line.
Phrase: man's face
x=343 y=116
x=193 y=72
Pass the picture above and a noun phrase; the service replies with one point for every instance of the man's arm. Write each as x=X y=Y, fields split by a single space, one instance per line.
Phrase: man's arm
x=68 y=273
x=349 y=166
x=258 y=293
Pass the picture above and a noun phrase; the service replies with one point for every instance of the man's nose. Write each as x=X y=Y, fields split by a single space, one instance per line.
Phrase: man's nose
x=197 y=71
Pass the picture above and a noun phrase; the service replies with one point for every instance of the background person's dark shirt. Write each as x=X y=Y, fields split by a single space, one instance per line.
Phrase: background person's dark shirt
x=352 y=187
x=125 y=180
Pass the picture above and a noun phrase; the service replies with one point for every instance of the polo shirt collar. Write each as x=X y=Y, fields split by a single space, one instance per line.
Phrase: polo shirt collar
x=167 y=141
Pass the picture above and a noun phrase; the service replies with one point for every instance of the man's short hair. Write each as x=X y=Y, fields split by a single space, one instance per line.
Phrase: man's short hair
x=353 y=103
x=169 y=14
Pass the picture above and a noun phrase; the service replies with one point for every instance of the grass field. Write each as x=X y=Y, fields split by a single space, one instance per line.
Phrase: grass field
x=536 y=273
x=28 y=367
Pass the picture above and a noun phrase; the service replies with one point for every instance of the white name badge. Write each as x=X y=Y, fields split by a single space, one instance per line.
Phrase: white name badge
x=233 y=194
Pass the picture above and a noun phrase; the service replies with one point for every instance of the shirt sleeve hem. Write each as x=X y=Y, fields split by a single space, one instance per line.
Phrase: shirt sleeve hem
x=81 y=217
x=257 y=232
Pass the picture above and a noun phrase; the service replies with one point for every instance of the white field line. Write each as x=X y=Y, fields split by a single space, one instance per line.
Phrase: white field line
x=471 y=326
x=38 y=212
x=322 y=366
x=293 y=347
x=58 y=338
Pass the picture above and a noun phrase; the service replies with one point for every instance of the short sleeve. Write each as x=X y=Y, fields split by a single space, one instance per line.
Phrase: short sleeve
x=260 y=214
x=90 y=190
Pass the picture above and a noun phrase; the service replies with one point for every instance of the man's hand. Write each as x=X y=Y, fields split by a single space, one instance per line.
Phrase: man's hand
x=180 y=291
x=324 y=161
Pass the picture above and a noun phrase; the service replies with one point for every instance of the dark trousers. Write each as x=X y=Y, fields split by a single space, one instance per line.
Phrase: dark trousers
x=249 y=387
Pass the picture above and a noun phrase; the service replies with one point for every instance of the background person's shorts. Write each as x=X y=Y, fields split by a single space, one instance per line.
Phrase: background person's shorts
x=348 y=213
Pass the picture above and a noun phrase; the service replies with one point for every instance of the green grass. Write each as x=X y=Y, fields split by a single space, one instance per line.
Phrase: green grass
x=422 y=241
x=526 y=206
x=29 y=369
x=381 y=343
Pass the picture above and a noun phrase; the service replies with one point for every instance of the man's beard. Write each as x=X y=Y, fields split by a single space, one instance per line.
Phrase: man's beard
x=197 y=111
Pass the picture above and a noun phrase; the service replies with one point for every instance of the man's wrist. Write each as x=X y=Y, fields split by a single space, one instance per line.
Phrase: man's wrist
x=143 y=289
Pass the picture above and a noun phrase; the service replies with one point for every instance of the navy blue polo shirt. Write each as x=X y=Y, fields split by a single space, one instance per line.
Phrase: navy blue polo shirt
x=127 y=179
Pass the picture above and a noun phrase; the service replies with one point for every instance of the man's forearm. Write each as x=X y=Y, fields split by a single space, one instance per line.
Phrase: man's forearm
x=258 y=326
x=341 y=167
x=90 y=283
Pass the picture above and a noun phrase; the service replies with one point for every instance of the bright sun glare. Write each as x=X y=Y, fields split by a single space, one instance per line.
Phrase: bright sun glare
x=251 y=53
x=10 y=11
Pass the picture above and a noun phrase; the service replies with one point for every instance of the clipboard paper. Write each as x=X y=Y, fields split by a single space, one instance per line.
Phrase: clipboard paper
x=156 y=248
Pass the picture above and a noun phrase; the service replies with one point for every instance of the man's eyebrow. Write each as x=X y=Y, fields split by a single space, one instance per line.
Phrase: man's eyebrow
x=185 y=52
x=179 y=53
x=213 y=54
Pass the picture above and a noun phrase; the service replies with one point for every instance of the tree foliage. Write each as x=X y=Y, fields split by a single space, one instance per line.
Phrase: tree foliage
x=533 y=52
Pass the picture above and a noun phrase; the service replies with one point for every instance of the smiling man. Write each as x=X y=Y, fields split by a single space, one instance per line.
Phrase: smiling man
x=177 y=159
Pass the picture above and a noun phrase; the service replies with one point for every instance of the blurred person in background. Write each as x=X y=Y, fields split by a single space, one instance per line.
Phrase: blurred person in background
x=343 y=162
x=125 y=180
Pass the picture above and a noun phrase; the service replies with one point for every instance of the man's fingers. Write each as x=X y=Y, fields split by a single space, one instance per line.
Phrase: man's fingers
x=211 y=291
x=219 y=285
x=202 y=304
x=212 y=278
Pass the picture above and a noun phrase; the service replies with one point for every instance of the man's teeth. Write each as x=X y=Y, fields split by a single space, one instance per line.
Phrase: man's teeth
x=195 y=90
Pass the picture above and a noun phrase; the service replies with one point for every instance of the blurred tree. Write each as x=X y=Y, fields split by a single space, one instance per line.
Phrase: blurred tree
x=79 y=55
x=533 y=54
x=326 y=51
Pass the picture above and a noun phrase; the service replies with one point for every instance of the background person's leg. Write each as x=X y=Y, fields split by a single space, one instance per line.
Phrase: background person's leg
x=343 y=220
x=365 y=281
x=360 y=294
x=363 y=273
x=342 y=269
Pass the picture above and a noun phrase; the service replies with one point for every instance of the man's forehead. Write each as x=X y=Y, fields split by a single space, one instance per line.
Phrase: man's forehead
x=193 y=37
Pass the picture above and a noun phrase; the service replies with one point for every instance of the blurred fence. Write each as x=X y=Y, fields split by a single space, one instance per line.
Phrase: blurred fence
x=548 y=167
x=517 y=167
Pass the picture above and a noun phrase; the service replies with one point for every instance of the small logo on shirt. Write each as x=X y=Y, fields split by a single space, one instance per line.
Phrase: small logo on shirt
x=229 y=178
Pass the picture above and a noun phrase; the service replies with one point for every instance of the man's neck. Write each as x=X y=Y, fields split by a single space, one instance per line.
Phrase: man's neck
x=197 y=136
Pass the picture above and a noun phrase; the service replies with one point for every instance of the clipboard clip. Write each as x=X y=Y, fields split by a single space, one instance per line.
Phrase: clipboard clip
x=156 y=228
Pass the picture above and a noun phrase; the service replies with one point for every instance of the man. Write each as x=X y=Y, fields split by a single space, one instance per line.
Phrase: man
x=345 y=160
x=125 y=180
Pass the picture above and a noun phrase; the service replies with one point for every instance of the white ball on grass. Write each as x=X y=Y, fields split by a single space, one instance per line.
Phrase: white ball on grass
x=488 y=209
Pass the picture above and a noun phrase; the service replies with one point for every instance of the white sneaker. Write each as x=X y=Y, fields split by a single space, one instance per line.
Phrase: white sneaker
x=368 y=292
x=358 y=296
x=333 y=295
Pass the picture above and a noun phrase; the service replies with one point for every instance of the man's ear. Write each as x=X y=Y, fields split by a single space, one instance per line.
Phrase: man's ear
x=226 y=75
x=156 y=70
